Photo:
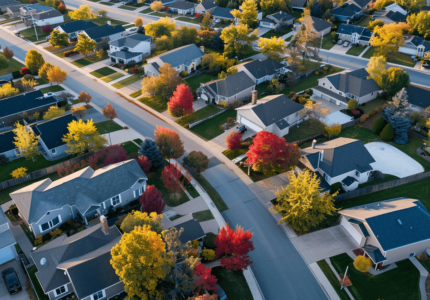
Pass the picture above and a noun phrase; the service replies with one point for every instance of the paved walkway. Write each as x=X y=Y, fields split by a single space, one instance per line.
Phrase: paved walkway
x=423 y=277
x=328 y=261
x=364 y=51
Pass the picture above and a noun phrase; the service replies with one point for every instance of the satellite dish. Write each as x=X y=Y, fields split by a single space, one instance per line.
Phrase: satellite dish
x=43 y=261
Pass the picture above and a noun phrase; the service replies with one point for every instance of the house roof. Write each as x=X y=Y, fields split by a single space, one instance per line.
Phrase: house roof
x=346 y=10
x=416 y=96
x=131 y=41
x=341 y=155
x=99 y=32
x=374 y=253
x=282 y=124
x=208 y=4
x=82 y=189
x=282 y=16
x=348 y=180
x=360 y=225
x=267 y=20
x=298 y=3
x=6 y=141
x=37 y=7
x=47 y=15
x=53 y=131
x=324 y=185
x=262 y=68
x=182 y=55
x=124 y=54
x=316 y=23
x=192 y=231
x=23 y=102
x=396 y=7
x=6 y=237
x=9 y=2
x=231 y=85
x=354 y=82
x=77 y=26
x=350 y=29
x=3 y=218
x=396 y=222
x=84 y=255
x=14 y=8
x=417 y=41
x=183 y=5
x=330 y=93
x=389 y=14
x=362 y=3
x=223 y=12
x=425 y=8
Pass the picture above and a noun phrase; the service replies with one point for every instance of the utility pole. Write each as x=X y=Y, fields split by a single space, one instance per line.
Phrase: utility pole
x=34 y=24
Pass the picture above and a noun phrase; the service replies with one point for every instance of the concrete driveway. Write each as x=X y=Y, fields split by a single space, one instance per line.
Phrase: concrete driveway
x=4 y=294
x=326 y=104
x=340 y=49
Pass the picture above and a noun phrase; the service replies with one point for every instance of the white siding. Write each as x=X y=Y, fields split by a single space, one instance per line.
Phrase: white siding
x=55 y=20
x=352 y=231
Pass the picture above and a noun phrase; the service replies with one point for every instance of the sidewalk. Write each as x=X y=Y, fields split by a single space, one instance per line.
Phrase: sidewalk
x=423 y=277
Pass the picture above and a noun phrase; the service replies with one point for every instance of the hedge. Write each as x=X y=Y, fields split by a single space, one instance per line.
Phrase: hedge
x=378 y=125
x=387 y=134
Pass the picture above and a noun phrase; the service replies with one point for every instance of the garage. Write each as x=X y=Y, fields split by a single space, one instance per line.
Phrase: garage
x=351 y=230
x=249 y=124
x=407 y=50
x=6 y=254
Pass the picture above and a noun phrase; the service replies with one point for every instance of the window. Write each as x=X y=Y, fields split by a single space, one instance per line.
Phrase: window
x=323 y=83
x=99 y=295
x=357 y=174
x=53 y=151
x=115 y=200
x=340 y=93
x=138 y=192
x=327 y=178
x=297 y=114
x=288 y=118
x=48 y=225
x=61 y=290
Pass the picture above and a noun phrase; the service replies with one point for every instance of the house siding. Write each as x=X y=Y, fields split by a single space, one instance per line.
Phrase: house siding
x=60 y=150
x=65 y=212
x=404 y=252
x=55 y=20
x=110 y=291
x=52 y=296
x=243 y=95
x=368 y=97
x=10 y=154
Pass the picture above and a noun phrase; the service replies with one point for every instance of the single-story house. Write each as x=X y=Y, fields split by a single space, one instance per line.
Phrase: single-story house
x=13 y=11
x=238 y=86
x=222 y=13
x=79 y=266
x=183 y=7
x=415 y=45
x=299 y=4
x=7 y=240
x=40 y=14
x=320 y=26
x=341 y=160
x=82 y=195
x=340 y=87
x=107 y=31
x=7 y=146
x=347 y=12
x=389 y=231
x=74 y=28
x=192 y=231
x=277 y=20
x=275 y=114
x=4 y=4
x=397 y=8
x=419 y=98
x=130 y=48
x=261 y=71
x=206 y=6
x=389 y=16
x=185 y=58
x=354 y=34
x=12 y=108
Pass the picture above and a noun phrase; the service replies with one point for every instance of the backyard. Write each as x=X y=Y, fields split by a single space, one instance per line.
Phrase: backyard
x=211 y=128
x=14 y=65
x=194 y=82
x=393 y=57
x=304 y=129
x=197 y=115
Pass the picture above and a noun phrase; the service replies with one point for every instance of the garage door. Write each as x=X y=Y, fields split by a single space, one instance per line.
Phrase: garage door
x=407 y=50
x=352 y=231
x=249 y=124
x=325 y=97
x=6 y=255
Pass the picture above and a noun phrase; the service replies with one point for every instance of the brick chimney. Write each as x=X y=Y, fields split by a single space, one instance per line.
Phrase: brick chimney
x=105 y=226
x=202 y=48
x=254 y=97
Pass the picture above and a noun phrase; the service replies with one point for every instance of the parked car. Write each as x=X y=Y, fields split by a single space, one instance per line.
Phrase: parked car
x=12 y=282
x=50 y=94
x=242 y=129
x=132 y=30
x=346 y=44
x=221 y=294
x=339 y=42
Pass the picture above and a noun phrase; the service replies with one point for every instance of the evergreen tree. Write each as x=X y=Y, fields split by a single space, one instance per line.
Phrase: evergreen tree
x=149 y=149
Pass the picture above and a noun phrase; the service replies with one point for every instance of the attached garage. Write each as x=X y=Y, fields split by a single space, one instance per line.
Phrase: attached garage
x=351 y=230
x=249 y=124
x=407 y=50
x=7 y=254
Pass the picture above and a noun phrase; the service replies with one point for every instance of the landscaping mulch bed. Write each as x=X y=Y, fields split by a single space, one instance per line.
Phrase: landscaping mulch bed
x=369 y=122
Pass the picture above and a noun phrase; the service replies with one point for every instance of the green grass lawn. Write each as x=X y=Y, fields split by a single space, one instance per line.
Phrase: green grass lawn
x=189 y=20
x=127 y=7
x=388 y=285
x=136 y=94
x=14 y=65
x=278 y=34
x=304 y=129
x=138 y=141
x=112 y=77
x=371 y=105
x=375 y=181
x=369 y=53
x=89 y=60
x=297 y=14
x=127 y=81
x=355 y=50
x=213 y=194
x=333 y=279
x=162 y=15
x=106 y=71
x=232 y=154
x=364 y=22
x=146 y=11
x=426 y=264
x=393 y=57
x=194 y=82
x=327 y=43
x=107 y=3
x=233 y=283
x=32 y=272
x=212 y=128
x=9 y=20
x=107 y=126
x=250 y=53
x=197 y=115
x=130 y=147
x=158 y=103
x=40 y=81
x=204 y=215
x=52 y=89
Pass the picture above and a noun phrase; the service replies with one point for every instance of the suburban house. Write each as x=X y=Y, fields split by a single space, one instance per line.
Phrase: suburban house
x=389 y=16
x=238 y=86
x=74 y=28
x=415 y=45
x=397 y=8
x=299 y=4
x=341 y=160
x=51 y=133
x=206 y=6
x=4 y=4
x=40 y=15
x=425 y=8
x=418 y=98
x=130 y=48
x=79 y=266
x=7 y=146
x=354 y=34
x=389 y=231
x=185 y=58
x=222 y=13
x=320 y=26
x=107 y=31
x=183 y=7
x=13 y=11
x=277 y=20
x=7 y=240
x=11 y=108
x=347 y=12
x=275 y=114
x=81 y=196
x=340 y=87
x=261 y=71
x=192 y=230
x=165 y=2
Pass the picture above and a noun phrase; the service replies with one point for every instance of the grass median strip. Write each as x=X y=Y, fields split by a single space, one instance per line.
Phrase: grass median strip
x=332 y=279
x=204 y=215
x=158 y=103
x=107 y=126
x=213 y=194
x=112 y=77
x=198 y=115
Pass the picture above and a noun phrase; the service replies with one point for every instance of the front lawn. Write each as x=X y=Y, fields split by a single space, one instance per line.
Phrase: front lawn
x=127 y=7
x=103 y=21
x=127 y=81
x=112 y=77
x=213 y=194
x=107 y=126
x=106 y=71
x=327 y=43
x=189 y=20
x=89 y=60
x=130 y=147
x=355 y=50
x=198 y=115
x=107 y=3
x=194 y=82
x=211 y=128
x=204 y=215
x=146 y=11
x=32 y=272
x=371 y=105
x=158 y=103
x=162 y=15
x=272 y=33
x=233 y=283
x=250 y=53
x=52 y=89
x=304 y=129
x=393 y=57
x=14 y=65
x=136 y=94
x=333 y=279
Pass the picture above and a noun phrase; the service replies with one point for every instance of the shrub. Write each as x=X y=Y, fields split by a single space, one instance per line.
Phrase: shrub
x=292 y=94
x=233 y=140
x=423 y=257
x=208 y=254
x=13 y=209
x=80 y=229
x=317 y=73
x=352 y=104
x=236 y=104
x=362 y=263
x=364 y=118
x=184 y=73
x=134 y=70
x=56 y=232
x=24 y=70
x=195 y=244
x=193 y=252
x=38 y=240
x=209 y=241
x=387 y=134
x=335 y=187
x=70 y=53
x=16 y=74
x=378 y=125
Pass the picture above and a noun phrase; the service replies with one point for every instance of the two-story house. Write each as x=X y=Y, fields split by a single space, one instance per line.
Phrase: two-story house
x=415 y=45
x=206 y=6
x=354 y=34
x=262 y=70
x=389 y=16
x=133 y=47
x=347 y=12
x=74 y=28
x=277 y=20
x=105 y=32
x=185 y=58
x=40 y=15
x=183 y=7
x=340 y=87
x=83 y=195
x=319 y=26
x=5 y=4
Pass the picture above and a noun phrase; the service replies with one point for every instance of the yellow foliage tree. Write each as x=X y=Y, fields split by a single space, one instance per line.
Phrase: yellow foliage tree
x=8 y=91
x=84 y=12
x=53 y=112
x=248 y=14
x=56 y=75
x=332 y=130
x=26 y=142
x=419 y=22
x=83 y=137
x=139 y=219
x=389 y=37
x=156 y=5
x=79 y=111
x=362 y=263
x=208 y=254
x=138 y=22
x=163 y=26
x=85 y=45
x=20 y=172
x=238 y=39
x=376 y=67
x=43 y=71
x=273 y=47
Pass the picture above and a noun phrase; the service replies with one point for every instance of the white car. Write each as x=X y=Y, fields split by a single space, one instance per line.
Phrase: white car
x=132 y=30
x=346 y=44
x=50 y=94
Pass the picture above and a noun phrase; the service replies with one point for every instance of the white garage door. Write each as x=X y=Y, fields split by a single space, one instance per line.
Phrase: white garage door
x=6 y=255
x=407 y=50
x=249 y=124
x=352 y=231
x=325 y=97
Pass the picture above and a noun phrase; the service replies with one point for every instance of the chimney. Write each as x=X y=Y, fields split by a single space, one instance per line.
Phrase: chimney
x=105 y=226
x=254 y=97
x=202 y=48
x=314 y=142
x=322 y=155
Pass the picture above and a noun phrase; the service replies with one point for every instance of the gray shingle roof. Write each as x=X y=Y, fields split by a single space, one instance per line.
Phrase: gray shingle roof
x=282 y=16
x=24 y=102
x=330 y=93
x=348 y=180
x=99 y=32
x=416 y=96
x=131 y=41
x=282 y=124
x=354 y=82
x=346 y=10
x=323 y=183
x=222 y=12
x=14 y=8
x=208 y=4
x=6 y=141
x=183 y=5
x=395 y=16
x=181 y=55
x=37 y=8
x=350 y=29
x=298 y=3
x=231 y=85
x=9 y=2
x=362 y=3
x=3 y=218
x=53 y=131
x=47 y=15
x=192 y=231
x=77 y=26
x=262 y=68
x=267 y=20
x=6 y=238
x=316 y=23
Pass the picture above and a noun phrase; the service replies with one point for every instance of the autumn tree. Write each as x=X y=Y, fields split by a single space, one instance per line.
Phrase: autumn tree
x=152 y=200
x=164 y=26
x=8 y=53
x=114 y=154
x=273 y=47
x=168 y=79
x=376 y=67
x=419 y=22
x=140 y=219
x=138 y=22
x=231 y=71
x=151 y=86
x=149 y=149
x=56 y=75
x=196 y=161
x=205 y=280
x=332 y=130
x=238 y=40
x=84 y=97
x=171 y=177
x=272 y=6
x=102 y=13
x=84 y=12
x=83 y=137
x=43 y=71
x=374 y=23
x=62 y=8
x=109 y=112
x=34 y=61
x=100 y=53
x=206 y=20
x=204 y=297
x=20 y=172
x=7 y=90
x=26 y=142
x=233 y=141
x=302 y=204
x=53 y=112
x=362 y=263
x=156 y=5
x=306 y=39
x=206 y=36
x=233 y=247
x=169 y=143
x=315 y=111
x=85 y=44
x=248 y=14
x=181 y=103
x=79 y=111
x=144 y=163
x=389 y=37
x=393 y=80
x=58 y=39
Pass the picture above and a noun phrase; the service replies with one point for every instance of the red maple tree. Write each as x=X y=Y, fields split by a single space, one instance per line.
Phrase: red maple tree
x=46 y=28
x=205 y=280
x=204 y=297
x=144 y=163
x=171 y=177
x=169 y=143
x=109 y=112
x=62 y=8
x=233 y=141
x=233 y=247
x=181 y=103
x=152 y=200
x=84 y=97
x=114 y=154
x=271 y=154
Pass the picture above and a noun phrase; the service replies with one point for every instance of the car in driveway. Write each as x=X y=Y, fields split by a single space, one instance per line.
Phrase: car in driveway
x=339 y=42
x=242 y=129
x=221 y=293
x=346 y=44
x=11 y=280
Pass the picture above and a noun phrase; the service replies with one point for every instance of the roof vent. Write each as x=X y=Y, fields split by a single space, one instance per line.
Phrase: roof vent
x=400 y=222
x=43 y=261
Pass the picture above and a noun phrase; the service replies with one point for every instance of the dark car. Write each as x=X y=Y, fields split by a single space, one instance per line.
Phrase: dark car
x=221 y=294
x=241 y=129
x=12 y=282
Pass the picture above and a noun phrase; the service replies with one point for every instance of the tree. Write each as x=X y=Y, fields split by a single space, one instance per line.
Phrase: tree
x=26 y=85
x=206 y=36
x=83 y=137
x=4 y=62
x=144 y=163
x=272 y=6
x=206 y=21
x=315 y=111
x=248 y=14
x=140 y=261
x=151 y=86
x=7 y=53
x=62 y=8
x=233 y=247
x=20 y=172
x=79 y=111
x=420 y=22
x=302 y=204
x=352 y=104
x=204 y=297
x=169 y=142
x=43 y=71
x=26 y=142
x=389 y=37
x=171 y=177
x=307 y=39
x=156 y=5
x=114 y=154
x=100 y=53
x=53 y=112
x=152 y=200
x=233 y=141
x=102 y=13
x=271 y=154
x=393 y=80
x=238 y=40
x=34 y=60
x=378 y=125
x=275 y=87
x=56 y=75
x=332 y=130
x=8 y=90
x=84 y=12
x=374 y=23
x=362 y=263
x=84 y=97
x=163 y=26
x=196 y=161
x=400 y=104
x=387 y=134
x=109 y=112
x=46 y=28
x=181 y=103
x=272 y=48
x=141 y=219
x=85 y=45
x=205 y=281
x=138 y=22
x=168 y=79
x=149 y=149
x=376 y=68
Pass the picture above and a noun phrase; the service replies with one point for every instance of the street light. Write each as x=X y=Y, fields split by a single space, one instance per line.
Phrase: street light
x=303 y=53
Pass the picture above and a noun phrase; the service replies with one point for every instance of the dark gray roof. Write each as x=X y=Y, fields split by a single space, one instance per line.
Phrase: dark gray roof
x=37 y=8
x=349 y=180
x=6 y=238
x=14 y=8
x=361 y=225
x=350 y=29
x=3 y=218
x=395 y=16
x=9 y=2
x=298 y=3
x=24 y=102
x=192 y=231
x=374 y=253
x=155 y=65
x=208 y=4
x=362 y=3
x=316 y=23
x=131 y=41
x=53 y=131
x=267 y=20
x=231 y=85
x=354 y=82
x=282 y=124
x=330 y=93
x=262 y=68
x=282 y=16
x=99 y=32
x=341 y=155
x=277 y=108
x=417 y=41
x=182 y=5
x=77 y=26
x=416 y=96
x=323 y=183
x=222 y=12
x=124 y=54
x=346 y=10
x=6 y=141
x=425 y=8
x=181 y=55
x=47 y=15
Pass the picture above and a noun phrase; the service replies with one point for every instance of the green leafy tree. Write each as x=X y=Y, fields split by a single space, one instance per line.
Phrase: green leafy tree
x=387 y=134
x=83 y=137
x=138 y=219
x=59 y=39
x=238 y=40
x=352 y=104
x=102 y=13
x=272 y=6
x=34 y=61
x=206 y=20
x=26 y=142
x=4 y=62
x=163 y=26
x=275 y=87
x=196 y=161
x=85 y=45
x=248 y=15
x=393 y=80
x=43 y=71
